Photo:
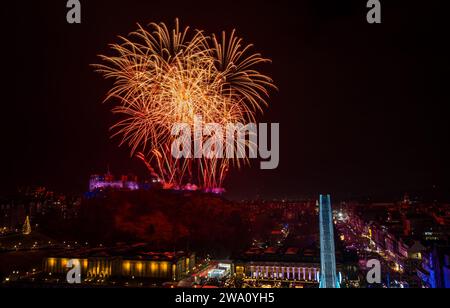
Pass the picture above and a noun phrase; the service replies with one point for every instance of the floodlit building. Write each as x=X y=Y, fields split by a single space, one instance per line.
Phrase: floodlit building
x=435 y=269
x=105 y=182
x=107 y=263
x=274 y=264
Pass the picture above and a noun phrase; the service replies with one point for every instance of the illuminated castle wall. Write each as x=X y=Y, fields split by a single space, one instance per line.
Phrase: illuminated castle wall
x=98 y=182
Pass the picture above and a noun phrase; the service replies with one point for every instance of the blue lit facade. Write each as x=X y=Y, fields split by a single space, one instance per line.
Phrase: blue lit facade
x=328 y=275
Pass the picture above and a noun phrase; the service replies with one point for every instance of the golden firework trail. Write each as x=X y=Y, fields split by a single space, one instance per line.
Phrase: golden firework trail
x=163 y=77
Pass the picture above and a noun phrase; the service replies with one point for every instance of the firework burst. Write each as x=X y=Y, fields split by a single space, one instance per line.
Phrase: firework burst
x=163 y=77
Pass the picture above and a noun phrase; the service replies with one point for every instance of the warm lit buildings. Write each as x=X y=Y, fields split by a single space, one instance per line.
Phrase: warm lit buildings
x=133 y=263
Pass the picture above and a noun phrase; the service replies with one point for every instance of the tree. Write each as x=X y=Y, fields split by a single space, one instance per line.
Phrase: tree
x=26 y=229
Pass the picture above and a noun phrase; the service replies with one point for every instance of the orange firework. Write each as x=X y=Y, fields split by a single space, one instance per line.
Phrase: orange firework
x=163 y=77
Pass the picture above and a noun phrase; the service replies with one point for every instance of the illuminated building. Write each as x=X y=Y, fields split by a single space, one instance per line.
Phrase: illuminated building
x=275 y=264
x=328 y=275
x=434 y=271
x=290 y=272
x=216 y=191
x=411 y=249
x=223 y=270
x=105 y=263
x=108 y=181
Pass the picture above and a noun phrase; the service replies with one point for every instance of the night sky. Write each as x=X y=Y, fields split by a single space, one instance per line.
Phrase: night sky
x=363 y=108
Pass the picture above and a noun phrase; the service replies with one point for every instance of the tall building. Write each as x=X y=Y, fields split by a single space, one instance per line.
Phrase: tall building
x=328 y=276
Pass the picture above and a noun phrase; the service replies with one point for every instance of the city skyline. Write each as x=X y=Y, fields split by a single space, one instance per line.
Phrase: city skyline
x=225 y=152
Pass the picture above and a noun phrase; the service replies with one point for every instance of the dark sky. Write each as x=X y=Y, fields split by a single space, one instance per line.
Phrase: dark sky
x=363 y=108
